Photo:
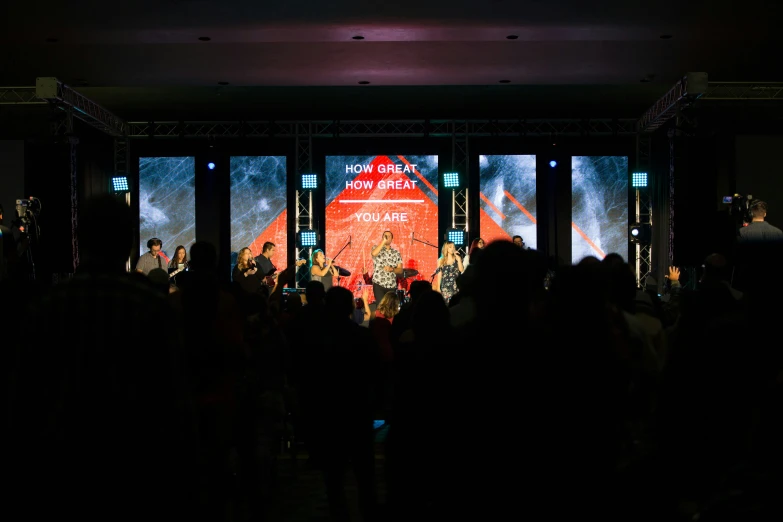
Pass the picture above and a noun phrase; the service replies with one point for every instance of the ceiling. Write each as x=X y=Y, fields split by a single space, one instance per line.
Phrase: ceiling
x=436 y=58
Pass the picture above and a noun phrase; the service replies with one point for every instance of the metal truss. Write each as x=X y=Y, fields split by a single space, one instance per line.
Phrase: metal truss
x=20 y=96
x=665 y=108
x=60 y=95
x=390 y=129
x=643 y=209
x=460 y=163
x=743 y=91
x=643 y=250
x=304 y=198
x=121 y=156
x=64 y=127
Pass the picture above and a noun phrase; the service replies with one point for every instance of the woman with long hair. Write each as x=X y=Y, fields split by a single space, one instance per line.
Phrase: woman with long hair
x=322 y=269
x=449 y=269
x=475 y=245
x=244 y=273
x=177 y=265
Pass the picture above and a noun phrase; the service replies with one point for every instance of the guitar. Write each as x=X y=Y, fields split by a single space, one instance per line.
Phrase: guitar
x=177 y=271
x=271 y=280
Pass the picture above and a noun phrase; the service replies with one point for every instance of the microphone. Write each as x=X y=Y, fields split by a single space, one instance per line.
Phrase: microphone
x=413 y=236
x=350 y=240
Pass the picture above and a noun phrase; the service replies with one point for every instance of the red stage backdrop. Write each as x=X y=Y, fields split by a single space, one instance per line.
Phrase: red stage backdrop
x=366 y=195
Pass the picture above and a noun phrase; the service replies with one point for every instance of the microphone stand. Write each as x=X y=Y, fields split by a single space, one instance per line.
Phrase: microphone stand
x=334 y=258
x=426 y=243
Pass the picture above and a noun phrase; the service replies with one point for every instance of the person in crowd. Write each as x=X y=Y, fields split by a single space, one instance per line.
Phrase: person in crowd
x=152 y=258
x=322 y=269
x=758 y=229
x=387 y=265
x=518 y=241
x=448 y=270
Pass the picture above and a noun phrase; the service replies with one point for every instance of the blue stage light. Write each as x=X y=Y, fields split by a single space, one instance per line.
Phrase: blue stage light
x=211 y=166
x=553 y=164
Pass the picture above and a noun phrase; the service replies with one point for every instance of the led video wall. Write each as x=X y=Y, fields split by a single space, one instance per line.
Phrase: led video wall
x=167 y=202
x=507 y=185
x=599 y=209
x=366 y=195
x=258 y=205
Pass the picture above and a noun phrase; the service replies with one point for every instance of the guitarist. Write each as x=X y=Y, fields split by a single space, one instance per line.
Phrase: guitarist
x=266 y=270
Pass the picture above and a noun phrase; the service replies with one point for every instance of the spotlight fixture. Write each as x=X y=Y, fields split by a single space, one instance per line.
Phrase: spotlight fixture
x=512 y=37
x=451 y=180
x=204 y=38
x=357 y=37
x=309 y=181
x=640 y=233
x=504 y=81
x=119 y=184
x=456 y=236
x=364 y=82
x=222 y=83
x=307 y=238
x=553 y=164
x=211 y=166
x=639 y=180
x=666 y=37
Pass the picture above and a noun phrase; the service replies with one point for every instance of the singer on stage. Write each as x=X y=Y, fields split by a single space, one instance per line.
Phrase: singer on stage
x=322 y=269
x=387 y=265
x=245 y=273
x=449 y=269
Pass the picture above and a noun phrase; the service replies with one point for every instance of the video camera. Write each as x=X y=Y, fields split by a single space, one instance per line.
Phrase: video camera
x=739 y=207
x=27 y=212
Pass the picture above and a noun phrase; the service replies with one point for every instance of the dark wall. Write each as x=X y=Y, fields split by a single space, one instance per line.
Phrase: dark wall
x=759 y=171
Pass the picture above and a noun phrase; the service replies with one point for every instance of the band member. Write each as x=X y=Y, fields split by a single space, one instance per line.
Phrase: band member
x=387 y=264
x=475 y=245
x=449 y=268
x=264 y=261
x=151 y=259
x=246 y=272
x=322 y=269
x=178 y=264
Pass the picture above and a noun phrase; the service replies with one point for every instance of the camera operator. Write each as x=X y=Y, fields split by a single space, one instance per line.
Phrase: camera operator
x=758 y=229
x=9 y=256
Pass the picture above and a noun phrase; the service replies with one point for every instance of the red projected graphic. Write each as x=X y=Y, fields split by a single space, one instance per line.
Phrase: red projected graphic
x=490 y=230
x=381 y=193
x=276 y=232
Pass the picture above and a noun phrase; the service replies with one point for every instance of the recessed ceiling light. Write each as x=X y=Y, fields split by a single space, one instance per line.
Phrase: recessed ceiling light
x=357 y=37
x=52 y=40
x=364 y=82
x=512 y=37
x=222 y=83
x=504 y=81
x=204 y=38
x=666 y=37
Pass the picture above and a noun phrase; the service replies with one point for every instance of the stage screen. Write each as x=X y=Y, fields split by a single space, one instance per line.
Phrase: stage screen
x=599 y=209
x=167 y=202
x=258 y=206
x=366 y=195
x=507 y=191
